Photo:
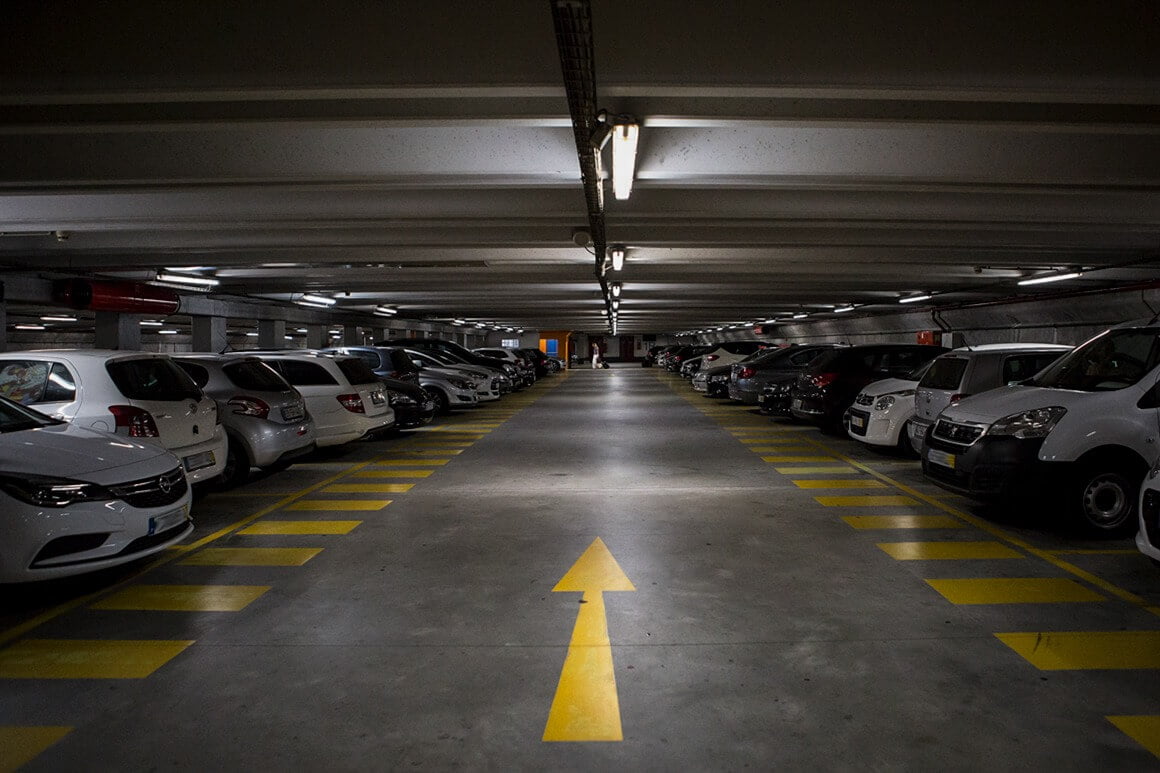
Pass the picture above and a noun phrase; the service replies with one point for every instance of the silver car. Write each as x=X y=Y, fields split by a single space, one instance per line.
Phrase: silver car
x=265 y=418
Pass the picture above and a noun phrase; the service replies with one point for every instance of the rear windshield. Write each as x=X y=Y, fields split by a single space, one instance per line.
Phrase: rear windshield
x=945 y=373
x=357 y=371
x=401 y=362
x=1113 y=360
x=256 y=376
x=304 y=373
x=196 y=372
x=152 y=378
x=741 y=347
x=35 y=381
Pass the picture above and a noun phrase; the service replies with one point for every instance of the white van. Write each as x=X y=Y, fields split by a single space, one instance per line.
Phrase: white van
x=1085 y=428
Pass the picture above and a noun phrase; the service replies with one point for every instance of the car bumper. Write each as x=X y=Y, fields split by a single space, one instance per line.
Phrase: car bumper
x=267 y=442
x=990 y=468
x=1148 y=538
x=877 y=428
x=918 y=428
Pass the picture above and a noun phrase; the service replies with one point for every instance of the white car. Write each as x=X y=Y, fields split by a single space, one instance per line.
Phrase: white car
x=139 y=395
x=882 y=410
x=75 y=500
x=1148 y=538
x=343 y=395
x=486 y=382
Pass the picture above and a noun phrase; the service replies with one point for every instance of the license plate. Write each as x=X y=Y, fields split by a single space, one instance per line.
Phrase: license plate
x=797 y=403
x=857 y=421
x=377 y=398
x=167 y=521
x=198 y=461
x=292 y=413
x=917 y=431
x=941 y=458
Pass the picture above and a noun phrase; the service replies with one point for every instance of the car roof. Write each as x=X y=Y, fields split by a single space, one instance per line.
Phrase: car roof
x=1016 y=347
x=82 y=354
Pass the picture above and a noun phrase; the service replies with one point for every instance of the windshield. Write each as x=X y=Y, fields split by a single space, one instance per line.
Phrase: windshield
x=15 y=417
x=1113 y=360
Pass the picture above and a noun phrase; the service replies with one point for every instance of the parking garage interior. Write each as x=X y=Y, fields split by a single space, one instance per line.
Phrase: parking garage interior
x=606 y=570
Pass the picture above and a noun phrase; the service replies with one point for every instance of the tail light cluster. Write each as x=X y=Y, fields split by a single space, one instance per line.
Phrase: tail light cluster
x=747 y=372
x=249 y=406
x=956 y=398
x=711 y=357
x=352 y=403
x=133 y=421
x=822 y=380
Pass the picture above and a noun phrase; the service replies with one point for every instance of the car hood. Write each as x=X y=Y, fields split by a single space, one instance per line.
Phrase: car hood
x=888 y=386
x=992 y=405
x=74 y=452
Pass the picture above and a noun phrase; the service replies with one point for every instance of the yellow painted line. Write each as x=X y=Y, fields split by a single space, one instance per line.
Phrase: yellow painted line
x=338 y=505
x=408 y=462
x=841 y=468
x=21 y=745
x=183 y=598
x=886 y=500
x=1144 y=730
x=368 y=488
x=1014 y=590
x=428 y=451
x=941 y=551
x=86 y=658
x=903 y=522
x=1076 y=650
x=751 y=440
x=394 y=474
x=280 y=528
x=792 y=459
x=251 y=557
x=781 y=449
x=1096 y=552
x=586 y=706
x=811 y=483
x=448 y=444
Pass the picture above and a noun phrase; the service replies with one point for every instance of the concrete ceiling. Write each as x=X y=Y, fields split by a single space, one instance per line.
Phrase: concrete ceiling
x=793 y=155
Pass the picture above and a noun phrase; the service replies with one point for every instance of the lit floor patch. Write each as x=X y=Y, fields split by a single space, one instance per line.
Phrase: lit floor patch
x=251 y=556
x=86 y=658
x=1014 y=590
x=793 y=459
x=1073 y=650
x=1144 y=730
x=368 y=488
x=944 y=551
x=408 y=462
x=903 y=521
x=21 y=745
x=839 y=483
x=866 y=501
x=277 y=528
x=839 y=469
x=338 y=505
x=183 y=598
x=394 y=474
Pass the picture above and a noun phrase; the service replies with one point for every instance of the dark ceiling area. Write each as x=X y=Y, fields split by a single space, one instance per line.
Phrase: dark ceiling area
x=793 y=158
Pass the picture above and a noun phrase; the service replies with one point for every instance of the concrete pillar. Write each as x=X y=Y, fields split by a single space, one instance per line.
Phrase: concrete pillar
x=3 y=321
x=351 y=336
x=209 y=334
x=317 y=337
x=383 y=334
x=117 y=331
x=271 y=334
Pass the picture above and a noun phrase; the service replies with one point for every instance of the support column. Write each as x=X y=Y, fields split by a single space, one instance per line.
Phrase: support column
x=209 y=334
x=350 y=336
x=317 y=337
x=271 y=334
x=3 y=321
x=117 y=331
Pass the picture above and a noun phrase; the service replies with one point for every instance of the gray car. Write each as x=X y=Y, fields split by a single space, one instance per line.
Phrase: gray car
x=264 y=417
x=748 y=377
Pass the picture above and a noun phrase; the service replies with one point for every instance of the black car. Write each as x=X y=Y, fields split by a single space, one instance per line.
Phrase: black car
x=650 y=357
x=823 y=392
x=748 y=378
x=413 y=406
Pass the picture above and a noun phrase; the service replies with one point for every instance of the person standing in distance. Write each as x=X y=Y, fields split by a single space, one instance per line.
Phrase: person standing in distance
x=595 y=355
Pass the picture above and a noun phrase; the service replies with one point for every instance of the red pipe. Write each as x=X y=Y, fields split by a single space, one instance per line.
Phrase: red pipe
x=128 y=297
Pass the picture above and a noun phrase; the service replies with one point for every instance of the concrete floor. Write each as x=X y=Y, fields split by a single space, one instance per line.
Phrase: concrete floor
x=768 y=628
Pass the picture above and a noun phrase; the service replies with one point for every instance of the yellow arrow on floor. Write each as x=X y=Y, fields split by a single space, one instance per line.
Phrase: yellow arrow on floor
x=586 y=706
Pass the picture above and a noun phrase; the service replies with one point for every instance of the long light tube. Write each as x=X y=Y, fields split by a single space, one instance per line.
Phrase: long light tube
x=616 y=289
x=624 y=138
x=385 y=311
x=317 y=300
x=1040 y=280
x=843 y=309
x=183 y=279
x=617 y=258
x=915 y=298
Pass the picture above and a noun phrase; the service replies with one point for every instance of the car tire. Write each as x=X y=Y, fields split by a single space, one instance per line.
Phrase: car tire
x=237 y=467
x=1103 y=501
x=442 y=403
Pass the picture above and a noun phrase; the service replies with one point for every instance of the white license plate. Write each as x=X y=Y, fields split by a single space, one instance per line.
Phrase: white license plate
x=377 y=398
x=797 y=403
x=292 y=413
x=198 y=461
x=167 y=521
x=941 y=458
x=857 y=421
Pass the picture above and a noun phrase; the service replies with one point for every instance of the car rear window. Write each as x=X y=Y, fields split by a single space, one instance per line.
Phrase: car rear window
x=356 y=371
x=196 y=372
x=256 y=376
x=152 y=378
x=741 y=347
x=301 y=373
x=945 y=373
x=401 y=362
x=1023 y=366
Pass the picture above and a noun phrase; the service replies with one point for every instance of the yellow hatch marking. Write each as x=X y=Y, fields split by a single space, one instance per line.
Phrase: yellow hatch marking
x=1144 y=730
x=1074 y=650
x=21 y=745
x=940 y=551
x=780 y=449
x=841 y=468
x=1014 y=590
x=839 y=483
x=270 y=528
x=408 y=462
x=866 y=501
x=394 y=474
x=339 y=505
x=785 y=459
x=903 y=522
x=368 y=488
x=252 y=557
x=183 y=598
x=86 y=658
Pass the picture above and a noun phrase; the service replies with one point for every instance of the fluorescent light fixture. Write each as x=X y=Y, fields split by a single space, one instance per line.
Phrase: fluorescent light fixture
x=624 y=139
x=335 y=332
x=458 y=322
x=617 y=257
x=289 y=338
x=317 y=300
x=30 y=327
x=916 y=298
x=300 y=330
x=385 y=311
x=167 y=332
x=800 y=315
x=616 y=305
x=1040 y=280
x=844 y=309
x=188 y=269
x=251 y=335
x=182 y=279
x=616 y=289
x=150 y=323
x=58 y=319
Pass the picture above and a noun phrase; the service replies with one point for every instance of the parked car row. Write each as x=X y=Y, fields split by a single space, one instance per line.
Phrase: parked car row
x=99 y=449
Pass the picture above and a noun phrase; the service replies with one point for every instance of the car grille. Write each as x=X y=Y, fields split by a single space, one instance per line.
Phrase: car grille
x=158 y=491
x=864 y=399
x=959 y=434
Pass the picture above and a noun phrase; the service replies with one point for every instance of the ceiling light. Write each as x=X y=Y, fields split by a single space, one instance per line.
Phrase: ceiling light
x=616 y=305
x=317 y=300
x=251 y=335
x=301 y=330
x=150 y=323
x=624 y=138
x=385 y=311
x=167 y=332
x=182 y=279
x=616 y=289
x=916 y=298
x=1039 y=280
x=458 y=322
x=58 y=319
x=29 y=327
x=617 y=257
x=844 y=309
x=800 y=315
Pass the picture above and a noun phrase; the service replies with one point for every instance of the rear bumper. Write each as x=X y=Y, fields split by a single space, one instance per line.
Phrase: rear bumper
x=193 y=455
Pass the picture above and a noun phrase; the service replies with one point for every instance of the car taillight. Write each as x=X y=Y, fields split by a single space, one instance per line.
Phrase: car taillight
x=711 y=357
x=352 y=403
x=746 y=372
x=956 y=398
x=821 y=380
x=249 y=406
x=133 y=421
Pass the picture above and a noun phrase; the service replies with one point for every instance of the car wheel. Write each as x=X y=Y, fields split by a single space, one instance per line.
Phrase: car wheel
x=237 y=467
x=1104 y=501
x=442 y=404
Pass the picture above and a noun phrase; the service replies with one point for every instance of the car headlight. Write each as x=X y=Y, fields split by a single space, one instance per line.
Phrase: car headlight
x=887 y=401
x=1035 y=423
x=461 y=383
x=44 y=491
x=398 y=398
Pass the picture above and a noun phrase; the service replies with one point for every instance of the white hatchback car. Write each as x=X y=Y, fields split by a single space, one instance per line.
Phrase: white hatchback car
x=139 y=395
x=75 y=500
x=882 y=410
